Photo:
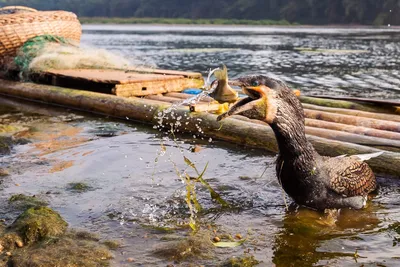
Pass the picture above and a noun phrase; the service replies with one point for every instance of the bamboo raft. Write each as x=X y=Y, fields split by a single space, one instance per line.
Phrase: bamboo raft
x=334 y=127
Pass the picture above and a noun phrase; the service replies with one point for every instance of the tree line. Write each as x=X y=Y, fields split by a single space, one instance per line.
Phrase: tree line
x=371 y=12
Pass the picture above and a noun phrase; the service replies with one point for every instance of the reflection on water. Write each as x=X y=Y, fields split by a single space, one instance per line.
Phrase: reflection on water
x=141 y=202
x=346 y=61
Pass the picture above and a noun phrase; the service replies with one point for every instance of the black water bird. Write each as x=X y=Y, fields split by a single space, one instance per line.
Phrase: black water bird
x=312 y=180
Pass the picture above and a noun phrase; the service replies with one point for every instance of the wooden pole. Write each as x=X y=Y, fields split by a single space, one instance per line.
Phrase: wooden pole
x=353 y=120
x=230 y=129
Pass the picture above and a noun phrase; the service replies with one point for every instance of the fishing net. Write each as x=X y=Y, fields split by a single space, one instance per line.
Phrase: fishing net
x=52 y=52
x=33 y=48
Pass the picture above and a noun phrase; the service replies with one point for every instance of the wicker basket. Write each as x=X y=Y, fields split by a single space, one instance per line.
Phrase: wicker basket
x=16 y=29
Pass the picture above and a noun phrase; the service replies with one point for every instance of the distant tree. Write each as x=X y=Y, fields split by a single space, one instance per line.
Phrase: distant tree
x=304 y=11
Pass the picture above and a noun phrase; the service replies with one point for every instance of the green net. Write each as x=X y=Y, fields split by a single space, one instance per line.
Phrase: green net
x=33 y=48
x=46 y=52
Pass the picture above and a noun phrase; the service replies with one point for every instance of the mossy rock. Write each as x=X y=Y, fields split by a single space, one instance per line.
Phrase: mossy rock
x=198 y=246
x=112 y=244
x=22 y=201
x=38 y=237
x=78 y=187
x=68 y=250
x=9 y=241
x=3 y=172
x=248 y=261
x=6 y=143
x=39 y=223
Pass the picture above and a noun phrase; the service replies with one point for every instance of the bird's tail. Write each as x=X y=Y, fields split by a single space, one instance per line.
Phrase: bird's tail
x=221 y=74
x=364 y=157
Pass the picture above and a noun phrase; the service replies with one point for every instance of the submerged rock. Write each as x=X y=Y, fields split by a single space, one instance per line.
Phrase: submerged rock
x=193 y=247
x=23 y=202
x=68 y=250
x=39 y=237
x=112 y=244
x=3 y=172
x=78 y=187
x=247 y=261
x=6 y=143
x=38 y=223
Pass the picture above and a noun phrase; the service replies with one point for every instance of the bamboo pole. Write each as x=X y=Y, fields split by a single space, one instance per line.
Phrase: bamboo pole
x=337 y=134
x=353 y=138
x=163 y=98
x=146 y=110
x=353 y=120
x=348 y=105
x=209 y=107
x=352 y=129
x=365 y=100
x=186 y=96
x=357 y=113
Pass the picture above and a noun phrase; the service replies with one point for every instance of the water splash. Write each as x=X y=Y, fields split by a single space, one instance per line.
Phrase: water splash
x=169 y=128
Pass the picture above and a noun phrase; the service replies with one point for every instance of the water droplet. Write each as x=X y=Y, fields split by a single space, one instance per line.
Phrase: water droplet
x=388 y=25
x=210 y=140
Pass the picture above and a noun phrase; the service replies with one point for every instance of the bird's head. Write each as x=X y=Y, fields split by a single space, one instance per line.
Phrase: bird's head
x=266 y=99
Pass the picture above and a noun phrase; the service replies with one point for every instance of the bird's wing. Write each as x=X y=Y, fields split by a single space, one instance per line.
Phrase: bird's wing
x=350 y=176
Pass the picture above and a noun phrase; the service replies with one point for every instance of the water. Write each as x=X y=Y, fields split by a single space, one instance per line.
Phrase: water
x=135 y=195
x=358 y=62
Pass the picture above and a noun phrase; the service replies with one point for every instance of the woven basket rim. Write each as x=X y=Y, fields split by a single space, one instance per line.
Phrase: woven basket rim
x=19 y=8
x=19 y=18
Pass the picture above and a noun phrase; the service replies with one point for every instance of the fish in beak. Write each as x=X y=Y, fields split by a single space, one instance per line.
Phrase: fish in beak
x=253 y=106
x=223 y=92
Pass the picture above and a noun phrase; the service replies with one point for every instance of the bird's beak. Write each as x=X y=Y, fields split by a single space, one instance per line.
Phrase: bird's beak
x=247 y=106
x=255 y=92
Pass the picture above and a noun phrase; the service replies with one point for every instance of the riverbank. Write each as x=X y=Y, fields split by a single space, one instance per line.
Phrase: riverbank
x=182 y=21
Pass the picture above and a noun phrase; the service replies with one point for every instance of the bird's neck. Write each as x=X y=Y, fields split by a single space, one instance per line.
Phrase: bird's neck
x=290 y=134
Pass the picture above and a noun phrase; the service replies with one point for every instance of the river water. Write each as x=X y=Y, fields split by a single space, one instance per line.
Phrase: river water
x=134 y=194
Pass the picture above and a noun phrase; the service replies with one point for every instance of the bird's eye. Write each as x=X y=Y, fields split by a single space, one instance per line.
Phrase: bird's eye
x=255 y=83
